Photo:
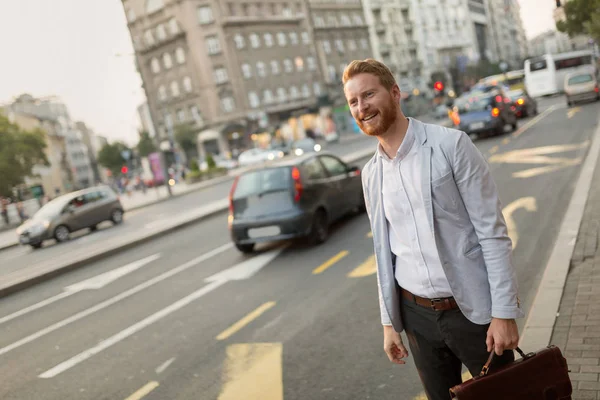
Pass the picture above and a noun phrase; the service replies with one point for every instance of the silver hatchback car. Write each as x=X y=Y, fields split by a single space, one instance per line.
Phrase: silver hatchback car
x=581 y=85
x=69 y=213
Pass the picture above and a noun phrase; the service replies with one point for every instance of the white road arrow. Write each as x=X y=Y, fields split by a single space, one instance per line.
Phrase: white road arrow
x=243 y=270
x=529 y=204
x=95 y=282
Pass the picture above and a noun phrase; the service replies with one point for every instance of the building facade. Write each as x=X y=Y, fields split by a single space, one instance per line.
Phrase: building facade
x=508 y=33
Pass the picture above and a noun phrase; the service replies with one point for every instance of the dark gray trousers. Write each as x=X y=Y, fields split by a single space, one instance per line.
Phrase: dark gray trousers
x=440 y=342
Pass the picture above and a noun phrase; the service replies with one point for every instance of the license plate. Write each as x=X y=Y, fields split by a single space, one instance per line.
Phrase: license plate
x=264 y=231
x=477 y=125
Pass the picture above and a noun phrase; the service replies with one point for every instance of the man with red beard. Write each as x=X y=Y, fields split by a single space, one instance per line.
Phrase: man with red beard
x=444 y=259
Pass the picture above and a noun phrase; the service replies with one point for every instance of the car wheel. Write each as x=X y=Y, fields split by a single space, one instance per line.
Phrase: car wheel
x=116 y=216
x=320 y=228
x=37 y=245
x=245 y=248
x=61 y=233
x=515 y=125
x=93 y=228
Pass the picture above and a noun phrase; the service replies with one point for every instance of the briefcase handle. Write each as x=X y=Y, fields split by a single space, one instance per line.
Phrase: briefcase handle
x=486 y=367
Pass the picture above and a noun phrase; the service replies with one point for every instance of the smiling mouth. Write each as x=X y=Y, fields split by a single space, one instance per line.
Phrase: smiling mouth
x=370 y=117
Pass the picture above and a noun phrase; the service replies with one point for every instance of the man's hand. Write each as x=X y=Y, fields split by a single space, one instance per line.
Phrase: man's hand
x=503 y=334
x=393 y=346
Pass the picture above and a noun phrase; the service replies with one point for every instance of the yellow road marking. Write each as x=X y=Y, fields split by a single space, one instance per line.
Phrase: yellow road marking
x=529 y=204
x=245 y=321
x=143 y=391
x=370 y=234
x=330 y=262
x=253 y=371
x=534 y=121
x=505 y=141
x=493 y=149
x=369 y=267
x=465 y=377
x=572 y=112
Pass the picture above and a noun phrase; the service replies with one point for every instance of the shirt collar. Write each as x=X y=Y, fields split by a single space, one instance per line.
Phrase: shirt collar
x=405 y=146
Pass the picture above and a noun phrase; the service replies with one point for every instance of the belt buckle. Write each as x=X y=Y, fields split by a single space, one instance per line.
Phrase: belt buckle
x=434 y=302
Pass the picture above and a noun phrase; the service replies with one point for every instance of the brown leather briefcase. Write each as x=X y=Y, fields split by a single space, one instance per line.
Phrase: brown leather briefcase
x=536 y=376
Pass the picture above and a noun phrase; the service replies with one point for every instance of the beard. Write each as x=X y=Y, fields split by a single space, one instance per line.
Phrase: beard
x=386 y=116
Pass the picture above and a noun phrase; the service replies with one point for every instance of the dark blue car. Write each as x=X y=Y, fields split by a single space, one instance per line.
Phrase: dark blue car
x=484 y=112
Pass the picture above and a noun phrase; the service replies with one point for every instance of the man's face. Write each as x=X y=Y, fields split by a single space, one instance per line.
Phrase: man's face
x=373 y=107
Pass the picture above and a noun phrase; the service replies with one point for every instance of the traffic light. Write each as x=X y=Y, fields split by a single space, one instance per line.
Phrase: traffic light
x=124 y=169
x=439 y=86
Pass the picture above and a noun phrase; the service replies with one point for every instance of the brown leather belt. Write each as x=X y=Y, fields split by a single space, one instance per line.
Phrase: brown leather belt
x=442 y=304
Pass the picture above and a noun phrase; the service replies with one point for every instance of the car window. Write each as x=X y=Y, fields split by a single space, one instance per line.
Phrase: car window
x=92 y=197
x=472 y=104
x=313 y=169
x=577 y=79
x=262 y=181
x=77 y=202
x=334 y=166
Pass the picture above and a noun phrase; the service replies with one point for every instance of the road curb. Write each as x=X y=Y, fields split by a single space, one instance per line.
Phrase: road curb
x=544 y=310
x=47 y=275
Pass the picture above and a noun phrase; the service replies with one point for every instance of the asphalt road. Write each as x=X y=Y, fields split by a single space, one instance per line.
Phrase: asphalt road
x=149 y=217
x=162 y=331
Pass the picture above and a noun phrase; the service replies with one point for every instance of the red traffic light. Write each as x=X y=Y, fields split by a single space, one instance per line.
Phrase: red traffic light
x=124 y=169
x=439 y=86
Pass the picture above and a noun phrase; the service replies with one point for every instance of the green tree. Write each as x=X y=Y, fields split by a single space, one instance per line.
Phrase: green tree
x=581 y=17
x=145 y=145
x=20 y=151
x=187 y=137
x=110 y=156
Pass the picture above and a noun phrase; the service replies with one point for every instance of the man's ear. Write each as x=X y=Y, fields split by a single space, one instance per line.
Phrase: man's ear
x=395 y=91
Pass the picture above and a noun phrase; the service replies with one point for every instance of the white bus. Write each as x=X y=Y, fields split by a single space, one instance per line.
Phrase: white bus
x=545 y=75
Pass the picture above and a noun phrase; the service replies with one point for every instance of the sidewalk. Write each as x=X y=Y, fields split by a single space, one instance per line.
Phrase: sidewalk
x=577 y=328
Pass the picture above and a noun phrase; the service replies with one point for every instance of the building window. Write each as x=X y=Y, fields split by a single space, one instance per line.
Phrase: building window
x=358 y=19
x=130 y=15
x=161 y=34
x=231 y=7
x=187 y=84
x=149 y=37
x=317 y=88
x=227 y=104
x=294 y=93
x=153 y=5
x=205 y=15
x=288 y=65
x=162 y=93
x=213 y=44
x=168 y=120
x=254 y=99
x=287 y=11
x=345 y=20
x=305 y=38
x=319 y=21
x=173 y=26
x=275 y=67
x=299 y=64
x=342 y=68
x=181 y=116
x=261 y=69
x=174 y=89
x=326 y=46
x=268 y=40
x=281 y=94
x=155 y=65
x=352 y=45
x=331 y=20
x=180 y=55
x=339 y=45
x=239 y=40
x=312 y=64
x=247 y=71
x=167 y=61
x=281 y=39
x=305 y=91
x=220 y=75
x=268 y=96
x=332 y=72
x=196 y=115
x=364 y=43
x=254 y=41
x=293 y=38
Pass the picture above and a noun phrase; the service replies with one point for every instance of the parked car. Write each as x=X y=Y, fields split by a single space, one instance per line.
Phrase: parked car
x=523 y=104
x=69 y=213
x=581 y=85
x=484 y=112
x=291 y=198
x=306 y=145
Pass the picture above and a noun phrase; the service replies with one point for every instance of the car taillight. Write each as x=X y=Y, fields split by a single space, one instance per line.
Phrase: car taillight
x=231 y=192
x=520 y=102
x=297 y=184
x=596 y=89
x=495 y=112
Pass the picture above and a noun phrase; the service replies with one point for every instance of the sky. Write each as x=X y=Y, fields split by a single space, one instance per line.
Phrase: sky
x=81 y=51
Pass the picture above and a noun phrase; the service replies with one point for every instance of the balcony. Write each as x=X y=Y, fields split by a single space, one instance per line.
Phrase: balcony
x=239 y=20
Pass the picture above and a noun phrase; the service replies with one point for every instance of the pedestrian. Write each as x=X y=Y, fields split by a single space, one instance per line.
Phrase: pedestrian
x=444 y=257
x=21 y=211
x=4 y=205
